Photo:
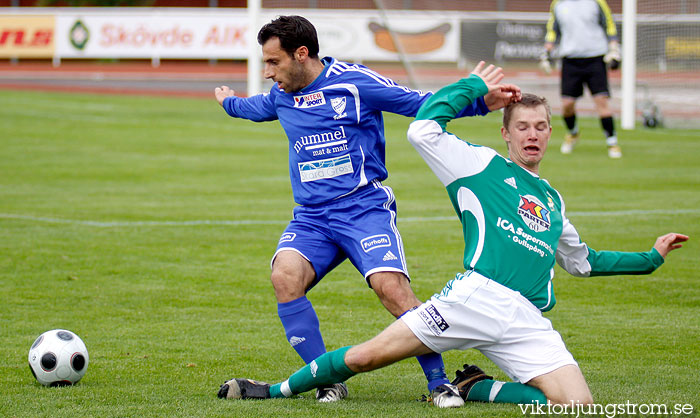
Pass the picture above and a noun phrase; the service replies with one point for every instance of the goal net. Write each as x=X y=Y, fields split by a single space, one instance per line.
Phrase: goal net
x=668 y=60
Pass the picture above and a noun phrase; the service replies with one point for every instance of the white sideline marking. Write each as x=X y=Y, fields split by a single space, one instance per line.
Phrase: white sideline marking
x=416 y=219
x=138 y=223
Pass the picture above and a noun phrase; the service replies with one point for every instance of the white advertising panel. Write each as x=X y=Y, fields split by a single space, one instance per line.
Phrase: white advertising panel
x=424 y=36
x=160 y=33
x=143 y=35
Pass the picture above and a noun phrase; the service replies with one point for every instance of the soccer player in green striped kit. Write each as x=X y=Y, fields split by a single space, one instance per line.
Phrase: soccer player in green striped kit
x=515 y=228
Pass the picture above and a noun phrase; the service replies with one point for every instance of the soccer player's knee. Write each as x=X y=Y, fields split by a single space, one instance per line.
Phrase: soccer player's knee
x=359 y=360
x=391 y=285
x=287 y=286
x=279 y=277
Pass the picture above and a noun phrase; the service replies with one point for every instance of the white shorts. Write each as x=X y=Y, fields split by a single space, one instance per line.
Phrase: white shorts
x=475 y=312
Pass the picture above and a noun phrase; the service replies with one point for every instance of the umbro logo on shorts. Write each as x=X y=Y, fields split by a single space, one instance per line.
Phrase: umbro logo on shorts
x=389 y=256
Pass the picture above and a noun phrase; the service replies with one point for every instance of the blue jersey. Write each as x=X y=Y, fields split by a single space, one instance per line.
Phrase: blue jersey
x=335 y=127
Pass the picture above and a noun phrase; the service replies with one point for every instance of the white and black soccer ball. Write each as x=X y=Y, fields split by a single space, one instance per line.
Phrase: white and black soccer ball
x=58 y=358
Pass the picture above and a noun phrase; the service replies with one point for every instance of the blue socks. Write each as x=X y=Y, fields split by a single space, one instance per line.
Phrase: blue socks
x=434 y=369
x=302 y=328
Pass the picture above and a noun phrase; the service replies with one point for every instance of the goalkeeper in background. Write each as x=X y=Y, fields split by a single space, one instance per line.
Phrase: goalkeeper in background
x=587 y=39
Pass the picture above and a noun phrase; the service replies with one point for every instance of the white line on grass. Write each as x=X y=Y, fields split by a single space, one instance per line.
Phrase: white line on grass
x=417 y=219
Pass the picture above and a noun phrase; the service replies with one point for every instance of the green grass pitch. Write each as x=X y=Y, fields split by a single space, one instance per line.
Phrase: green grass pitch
x=146 y=225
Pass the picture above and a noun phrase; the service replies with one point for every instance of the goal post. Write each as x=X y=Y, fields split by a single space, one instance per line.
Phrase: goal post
x=629 y=61
x=254 y=64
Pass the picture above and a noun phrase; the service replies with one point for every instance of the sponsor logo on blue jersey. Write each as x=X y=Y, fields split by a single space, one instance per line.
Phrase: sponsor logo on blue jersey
x=309 y=100
x=375 y=241
x=325 y=169
x=320 y=139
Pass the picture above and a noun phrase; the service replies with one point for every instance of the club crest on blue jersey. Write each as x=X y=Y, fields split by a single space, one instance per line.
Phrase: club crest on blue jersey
x=338 y=104
x=309 y=100
x=534 y=213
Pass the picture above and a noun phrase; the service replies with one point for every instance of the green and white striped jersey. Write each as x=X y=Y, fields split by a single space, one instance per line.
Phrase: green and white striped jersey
x=514 y=223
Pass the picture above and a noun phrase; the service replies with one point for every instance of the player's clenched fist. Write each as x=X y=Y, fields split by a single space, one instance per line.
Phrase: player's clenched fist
x=221 y=93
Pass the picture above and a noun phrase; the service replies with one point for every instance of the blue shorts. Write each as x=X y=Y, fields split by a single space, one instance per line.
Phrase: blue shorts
x=361 y=227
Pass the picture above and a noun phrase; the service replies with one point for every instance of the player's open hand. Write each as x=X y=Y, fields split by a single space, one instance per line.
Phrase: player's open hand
x=491 y=74
x=499 y=95
x=669 y=242
x=221 y=93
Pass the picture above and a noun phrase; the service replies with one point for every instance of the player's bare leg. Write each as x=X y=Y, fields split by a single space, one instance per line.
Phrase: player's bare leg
x=291 y=275
x=568 y=105
x=569 y=114
x=395 y=343
x=394 y=290
x=564 y=385
x=602 y=105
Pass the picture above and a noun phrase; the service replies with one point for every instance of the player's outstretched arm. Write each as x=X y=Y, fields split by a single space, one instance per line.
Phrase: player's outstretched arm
x=499 y=95
x=580 y=260
x=447 y=103
x=258 y=108
x=669 y=242
x=223 y=92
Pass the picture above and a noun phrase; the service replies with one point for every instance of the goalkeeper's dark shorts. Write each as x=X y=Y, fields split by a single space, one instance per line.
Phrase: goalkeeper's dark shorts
x=575 y=72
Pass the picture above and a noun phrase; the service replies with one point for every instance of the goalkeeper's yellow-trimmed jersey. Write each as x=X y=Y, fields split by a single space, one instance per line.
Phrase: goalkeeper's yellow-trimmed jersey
x=514 y=223
x=582 y=27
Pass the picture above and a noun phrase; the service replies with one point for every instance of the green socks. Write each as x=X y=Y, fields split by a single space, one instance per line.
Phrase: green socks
x=327 y=369
x=330 y=368
x=502 y=392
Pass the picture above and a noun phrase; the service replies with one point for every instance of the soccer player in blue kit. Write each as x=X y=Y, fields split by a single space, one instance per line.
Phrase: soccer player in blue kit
x=331 y=112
